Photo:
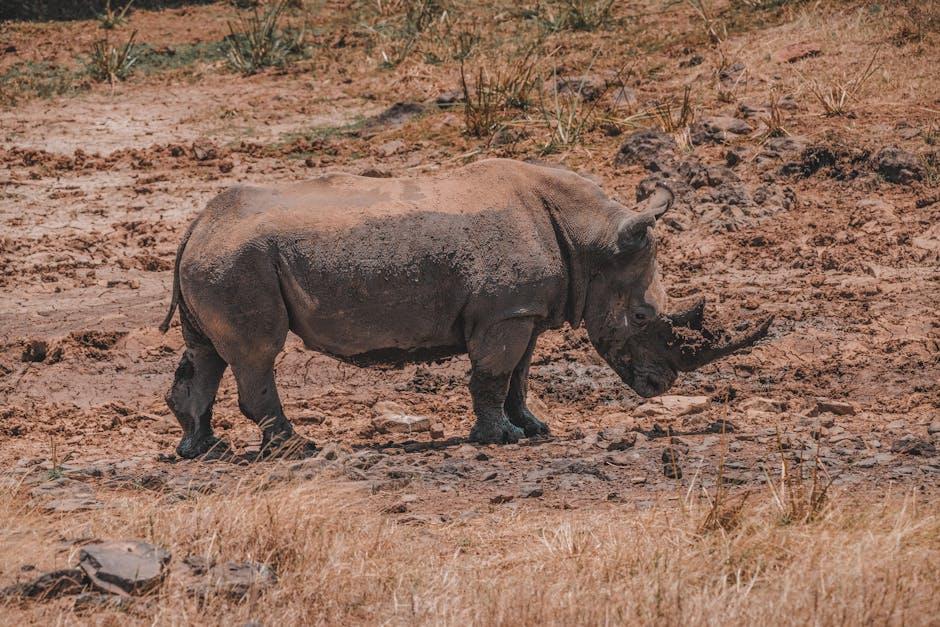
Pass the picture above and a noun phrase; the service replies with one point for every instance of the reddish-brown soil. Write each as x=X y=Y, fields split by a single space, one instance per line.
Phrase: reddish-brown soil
x=97 y=188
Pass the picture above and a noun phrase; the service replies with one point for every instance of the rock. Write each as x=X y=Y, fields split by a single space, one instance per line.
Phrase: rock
x=204 y=150
x=376 y=173
x=638 y=479
x=718 y=129
x=671 y=462
x=912 y=445
x=392 y=418
x=673 y=406
x=226 y=166
x=125 y=566
x=760 y=403
x=332 y=451
x=72 y=504
x=839 y=408
x=437 y=431
x=868 y=462
x=617 y=438
x=390 y=148
x=588 y=87
x=797 y=52
x=721 y=426
x=449 y=99
x=934 y=427
x=235 y=580
x=619 y=458
x=402 y=504
x=642 y=146
x=897 y=166
x=48 y=585
x=35 y=351
x=530 y=491
x=397 y=114
x=501 y=498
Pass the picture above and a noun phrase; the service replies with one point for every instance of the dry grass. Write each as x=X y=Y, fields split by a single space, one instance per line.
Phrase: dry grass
x=112 y=63
x=337 y=560
x=837 y=96
x=258 y=41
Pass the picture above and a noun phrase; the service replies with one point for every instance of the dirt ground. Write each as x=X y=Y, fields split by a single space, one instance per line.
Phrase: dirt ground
x=832 y=227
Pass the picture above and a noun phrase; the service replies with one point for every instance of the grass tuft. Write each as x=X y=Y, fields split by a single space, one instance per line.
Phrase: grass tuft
x=258 y=41
x=111 y=63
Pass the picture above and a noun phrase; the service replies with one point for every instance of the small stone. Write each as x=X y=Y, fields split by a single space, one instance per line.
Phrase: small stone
x=226 y=166
x=671 y=467
x=623 y=442
x=868 y=462
x=673 y=406
x=839 y=408
x=911 y=445
x=530 y=491
x=797 y=52
x=402 y=504
x=934 y=427
x=721 y=426
x=376 y=173
x=401 y=423
x=759 y=403
x=204 y=150
x=72 y=504
x=35 y=351
x=638 y=479
x=718 y=129
x=390 y=148
x=620 y=459
x=644 y=145
x=501 y=498
x=437 y=431
x=490 y=475
x=49 y=585
x=898 y=166
x=449 y=98
x=332 y=451
x=235 y=580
x=124 y=567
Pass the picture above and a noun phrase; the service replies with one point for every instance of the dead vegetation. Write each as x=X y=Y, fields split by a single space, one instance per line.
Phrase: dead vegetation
x=258 y=40
x=337 y=560
x=112 y=63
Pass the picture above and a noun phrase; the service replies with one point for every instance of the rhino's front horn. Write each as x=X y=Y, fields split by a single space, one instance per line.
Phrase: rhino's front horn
x=710 y=351
x=691 y=313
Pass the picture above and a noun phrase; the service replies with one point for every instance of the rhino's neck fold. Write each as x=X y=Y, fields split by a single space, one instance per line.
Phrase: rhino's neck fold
x=577 y=270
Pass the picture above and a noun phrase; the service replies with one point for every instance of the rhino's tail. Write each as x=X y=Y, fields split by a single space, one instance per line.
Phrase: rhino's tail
x=175 y=299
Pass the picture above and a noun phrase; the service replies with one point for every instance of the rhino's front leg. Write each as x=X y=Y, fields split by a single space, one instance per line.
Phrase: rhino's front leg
x=494 y=353
x=515 y=404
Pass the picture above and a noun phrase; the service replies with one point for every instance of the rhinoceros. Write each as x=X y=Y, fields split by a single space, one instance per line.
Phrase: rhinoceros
x=479 y=261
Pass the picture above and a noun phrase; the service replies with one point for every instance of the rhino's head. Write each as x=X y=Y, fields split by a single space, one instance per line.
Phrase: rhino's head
x=625 y=310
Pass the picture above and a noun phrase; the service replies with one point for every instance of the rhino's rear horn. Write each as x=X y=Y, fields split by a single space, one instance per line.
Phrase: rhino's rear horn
x=691 y=313
x=710 y=352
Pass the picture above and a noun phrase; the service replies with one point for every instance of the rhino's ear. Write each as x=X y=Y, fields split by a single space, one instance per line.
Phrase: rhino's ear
x=632 y=232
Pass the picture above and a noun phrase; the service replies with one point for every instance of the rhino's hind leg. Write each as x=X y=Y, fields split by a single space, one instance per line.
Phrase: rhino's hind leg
x=515 y=404
x=259 y=401
x=190 y=398
x=494 y=353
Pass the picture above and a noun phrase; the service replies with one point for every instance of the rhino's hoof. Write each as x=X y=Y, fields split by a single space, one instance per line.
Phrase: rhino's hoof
x=531 y=425
x=292 y=447
x=207 y=447
x=501 y=432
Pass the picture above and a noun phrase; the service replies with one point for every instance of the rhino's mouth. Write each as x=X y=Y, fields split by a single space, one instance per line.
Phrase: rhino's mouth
x=648 y=382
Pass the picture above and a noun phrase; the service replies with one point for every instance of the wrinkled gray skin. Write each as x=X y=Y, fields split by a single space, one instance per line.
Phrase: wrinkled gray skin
x=480 y=260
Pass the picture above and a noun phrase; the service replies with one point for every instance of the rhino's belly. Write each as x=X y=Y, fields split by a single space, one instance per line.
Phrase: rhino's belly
x=390 y=322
